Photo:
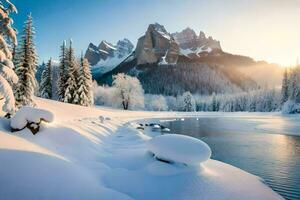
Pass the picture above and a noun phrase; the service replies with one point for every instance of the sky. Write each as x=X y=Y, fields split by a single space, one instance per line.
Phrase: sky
x=262 y=29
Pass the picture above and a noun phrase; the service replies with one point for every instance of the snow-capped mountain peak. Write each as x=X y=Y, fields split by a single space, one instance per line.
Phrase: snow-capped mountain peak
x=124 y=47
x=107 y=56
x=192 y=45
x=155 y=44
x=160 y=29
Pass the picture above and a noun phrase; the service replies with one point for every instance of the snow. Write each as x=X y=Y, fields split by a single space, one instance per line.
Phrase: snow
x=156 y=126
x=109 y=64
x=7 y=93
x=179 y=148
x=162 y=31
x=165 y=35
x=129 y=58
x=187 y=52
x=28 y=114
x=163 y=59
x=165 y=130
x=290 y=107
x=78 y=157
x=108 y=45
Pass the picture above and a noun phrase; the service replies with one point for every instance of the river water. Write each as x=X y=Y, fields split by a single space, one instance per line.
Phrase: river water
x=238 y=141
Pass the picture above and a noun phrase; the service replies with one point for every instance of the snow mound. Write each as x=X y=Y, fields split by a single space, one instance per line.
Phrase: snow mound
x=165 y=130
x=179 y=148
x=156 y=126
x=28 y=114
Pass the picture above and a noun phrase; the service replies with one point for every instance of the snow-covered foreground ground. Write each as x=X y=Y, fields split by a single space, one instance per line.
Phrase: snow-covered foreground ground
x=78 y=157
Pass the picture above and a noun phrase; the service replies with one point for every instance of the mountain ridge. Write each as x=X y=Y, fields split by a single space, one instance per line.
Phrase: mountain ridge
x=158 y=48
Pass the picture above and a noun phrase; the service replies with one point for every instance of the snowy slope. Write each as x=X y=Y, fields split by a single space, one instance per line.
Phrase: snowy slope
x=78 y=157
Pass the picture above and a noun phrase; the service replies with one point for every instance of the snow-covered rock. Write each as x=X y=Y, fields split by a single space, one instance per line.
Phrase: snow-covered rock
x=179 y=148
x=27 y=115
x=156 y=126
x=165 y=130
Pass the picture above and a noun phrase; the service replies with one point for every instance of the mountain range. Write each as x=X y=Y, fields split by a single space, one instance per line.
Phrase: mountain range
x=171 y=63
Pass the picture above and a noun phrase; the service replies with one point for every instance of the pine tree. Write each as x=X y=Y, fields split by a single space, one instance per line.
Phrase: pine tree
x=214 y=104
x=63 y=71
x=26 y=64
x=71 y=85
x=296 y=96
x=188 y=102
x=46 y=81
x=7 y=74
x=85 y=83
x=76 y=99
x=292 y=85
x=285 y=87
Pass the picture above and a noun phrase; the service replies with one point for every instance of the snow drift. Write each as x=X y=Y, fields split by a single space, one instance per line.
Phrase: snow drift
x=179 y=148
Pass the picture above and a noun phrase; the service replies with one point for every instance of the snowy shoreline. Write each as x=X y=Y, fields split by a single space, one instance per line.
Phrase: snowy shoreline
x=79 y=157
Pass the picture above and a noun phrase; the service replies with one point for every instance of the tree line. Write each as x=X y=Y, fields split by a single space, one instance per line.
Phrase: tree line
x=74 y=82
x=18 y=66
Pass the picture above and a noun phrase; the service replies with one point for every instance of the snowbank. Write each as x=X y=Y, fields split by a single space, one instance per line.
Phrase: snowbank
x=179 y=148
x=78 y=157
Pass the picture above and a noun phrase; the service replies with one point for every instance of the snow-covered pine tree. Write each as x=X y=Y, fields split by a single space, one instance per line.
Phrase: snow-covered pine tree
x=7 y=74
x=71 y=85
x=188 y=102
x=285 y=87
x=26 y=64
x=214 y=103
x=296 y=84
x=85 y=83
x=76 y=99
x=46 y=81
x=63 y=71
x=292 y=85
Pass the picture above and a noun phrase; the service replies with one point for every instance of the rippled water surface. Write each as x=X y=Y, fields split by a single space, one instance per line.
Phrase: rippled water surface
x=274 y=157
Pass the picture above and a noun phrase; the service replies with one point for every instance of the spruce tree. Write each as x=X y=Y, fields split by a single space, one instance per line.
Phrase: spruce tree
x=7 y=74
x=297 y=84
x=76 y=99
x=63 y=72
x=214 y=104
x=285 y=87
x=85 y=83
x=292 y=85
x=188 y=102
x=71 y=85
x=26 y=64
x=46 y=81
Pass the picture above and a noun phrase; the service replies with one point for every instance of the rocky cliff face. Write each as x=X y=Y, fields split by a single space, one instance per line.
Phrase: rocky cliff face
x=92 y=54
x=107 y=51
x=155 y=45
x=159 y=46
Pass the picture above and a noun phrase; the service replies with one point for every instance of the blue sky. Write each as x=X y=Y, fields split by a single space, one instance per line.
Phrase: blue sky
x=266 y=29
